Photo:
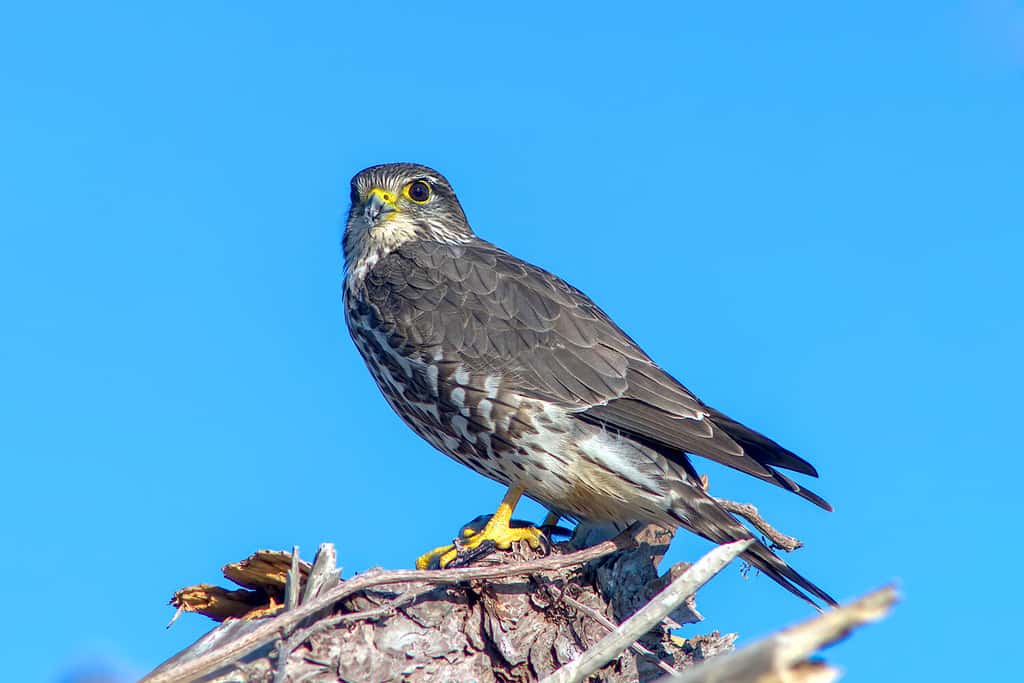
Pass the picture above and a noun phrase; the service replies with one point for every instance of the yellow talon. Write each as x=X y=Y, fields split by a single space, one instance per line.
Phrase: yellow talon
x=497 y=530
x=427 y=559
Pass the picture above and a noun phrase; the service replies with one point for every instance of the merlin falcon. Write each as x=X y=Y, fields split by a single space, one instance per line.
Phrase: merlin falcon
x=518 y=375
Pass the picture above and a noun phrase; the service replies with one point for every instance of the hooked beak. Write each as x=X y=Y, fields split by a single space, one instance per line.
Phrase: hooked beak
x=378 y=205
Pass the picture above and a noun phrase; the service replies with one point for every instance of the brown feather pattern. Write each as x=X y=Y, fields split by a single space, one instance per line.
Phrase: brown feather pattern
x=519 y=375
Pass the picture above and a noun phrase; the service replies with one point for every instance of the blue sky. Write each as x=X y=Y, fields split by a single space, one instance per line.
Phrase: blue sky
x=810 y=213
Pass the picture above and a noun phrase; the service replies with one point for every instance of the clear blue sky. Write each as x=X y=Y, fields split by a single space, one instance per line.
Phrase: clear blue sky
x=810 y=212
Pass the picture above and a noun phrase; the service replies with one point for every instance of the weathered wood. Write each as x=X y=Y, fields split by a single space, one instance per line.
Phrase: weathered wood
x=611 y=626
x=776 y=538
x=783 y=657
x=503 y=620
x=660 y=606
x=291 y=586
x=324 y=573
x=513 y=618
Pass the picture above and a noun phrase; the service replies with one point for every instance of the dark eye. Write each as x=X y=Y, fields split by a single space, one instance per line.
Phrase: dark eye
x=354 y=194
x=419 y=191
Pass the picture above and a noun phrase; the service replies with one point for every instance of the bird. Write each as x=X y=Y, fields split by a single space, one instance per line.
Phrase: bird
x=518 y=375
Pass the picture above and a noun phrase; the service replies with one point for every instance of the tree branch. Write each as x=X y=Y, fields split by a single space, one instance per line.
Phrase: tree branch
x=747 y=511
x=783 y=657
x=643 y=621
x=514 y=617
x=273 y=627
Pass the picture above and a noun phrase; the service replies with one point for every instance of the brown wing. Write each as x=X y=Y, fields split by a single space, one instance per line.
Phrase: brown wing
x=548 y=340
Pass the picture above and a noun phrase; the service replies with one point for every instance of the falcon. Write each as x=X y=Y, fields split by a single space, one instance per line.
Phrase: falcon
x=518 y=375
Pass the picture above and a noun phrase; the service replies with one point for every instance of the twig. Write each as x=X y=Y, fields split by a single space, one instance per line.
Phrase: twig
x=292 y=581
x=610 y=625
x=177 y=614
x=750 y=513
x=649 y=615
x=324 y=572
x=286 y=621
x=390 y=608
x=284 y=651
x=291 y=601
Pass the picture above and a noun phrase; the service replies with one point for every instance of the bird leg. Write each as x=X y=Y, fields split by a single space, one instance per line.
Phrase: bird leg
x=551 y=519
x=550 y=526
x=496 y=533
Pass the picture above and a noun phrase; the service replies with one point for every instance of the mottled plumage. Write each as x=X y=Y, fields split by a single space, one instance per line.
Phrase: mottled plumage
x=518 y=375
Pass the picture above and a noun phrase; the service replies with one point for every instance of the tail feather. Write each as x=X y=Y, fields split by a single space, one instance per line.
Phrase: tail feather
x=700 y=514
x=775 y=568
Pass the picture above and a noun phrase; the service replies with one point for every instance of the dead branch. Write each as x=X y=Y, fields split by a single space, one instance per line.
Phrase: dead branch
x=515 y=618
x=611 y=626
x=779 y=540
x=644 y=620
x=784 y=657
x=272 y=628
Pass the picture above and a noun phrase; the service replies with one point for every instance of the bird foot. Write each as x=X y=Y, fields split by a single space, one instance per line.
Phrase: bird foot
x=480 y=538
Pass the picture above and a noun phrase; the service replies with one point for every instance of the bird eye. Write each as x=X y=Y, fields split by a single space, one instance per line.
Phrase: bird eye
x=354 y=194
x=418 y=191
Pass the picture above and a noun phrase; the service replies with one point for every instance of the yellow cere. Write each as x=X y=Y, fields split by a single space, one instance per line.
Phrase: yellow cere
x=385 y=196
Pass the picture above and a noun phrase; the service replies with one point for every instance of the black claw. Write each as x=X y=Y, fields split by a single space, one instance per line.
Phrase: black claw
x=555 y=531
x=471 y=555
x=467 y=556
x=545 y=543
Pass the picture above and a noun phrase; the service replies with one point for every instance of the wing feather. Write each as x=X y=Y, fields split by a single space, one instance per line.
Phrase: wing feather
x=512 y=319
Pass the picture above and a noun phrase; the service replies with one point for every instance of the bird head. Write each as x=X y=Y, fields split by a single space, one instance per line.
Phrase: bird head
x=395 y=203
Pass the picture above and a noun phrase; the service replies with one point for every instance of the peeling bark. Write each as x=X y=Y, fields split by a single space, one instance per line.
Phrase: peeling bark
x=514 y=617
x=514 y=628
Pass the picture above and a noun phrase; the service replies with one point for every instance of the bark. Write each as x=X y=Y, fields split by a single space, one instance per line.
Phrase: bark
x=516 y=616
